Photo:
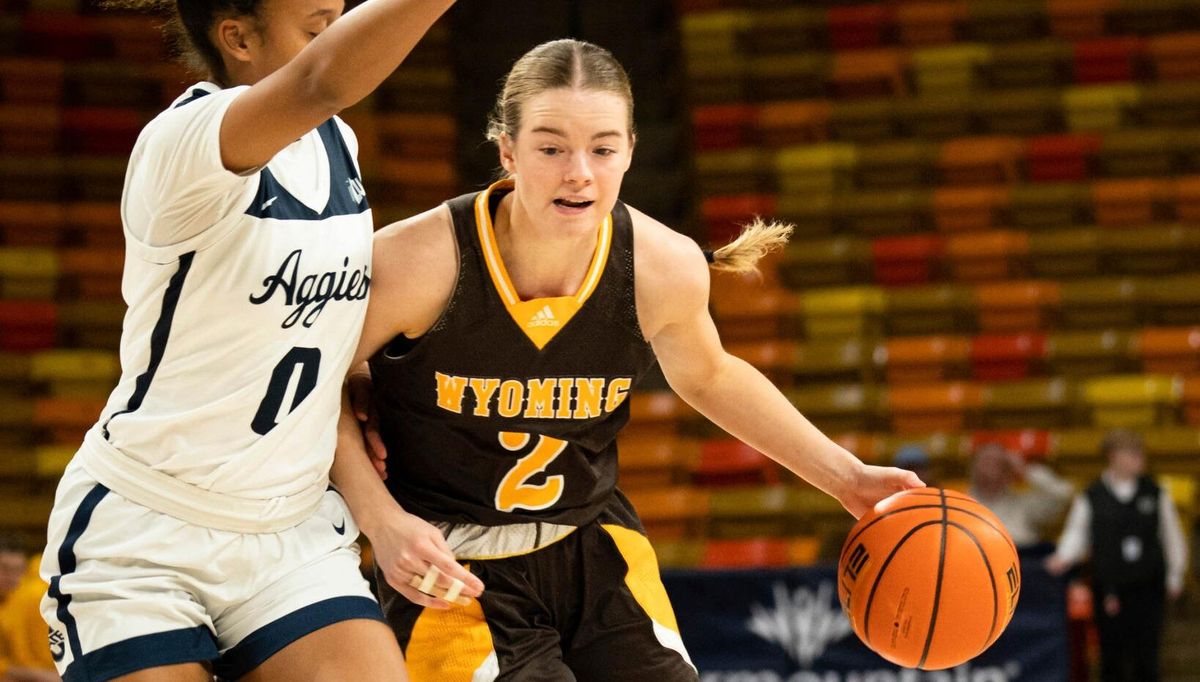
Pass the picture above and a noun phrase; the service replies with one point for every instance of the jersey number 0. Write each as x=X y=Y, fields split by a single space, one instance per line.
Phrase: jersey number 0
x=515 y=491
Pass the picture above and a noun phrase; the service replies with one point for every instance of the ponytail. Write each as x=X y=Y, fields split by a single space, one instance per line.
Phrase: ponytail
x=756 y=240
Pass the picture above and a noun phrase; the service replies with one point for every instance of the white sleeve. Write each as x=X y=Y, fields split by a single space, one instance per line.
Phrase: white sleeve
x=1075 y=544
x=1174 y=542
x=177 y=186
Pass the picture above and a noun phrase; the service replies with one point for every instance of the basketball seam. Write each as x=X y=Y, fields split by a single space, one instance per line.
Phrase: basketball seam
x=991 y=578
x=937 y=588
x=879 y=576
x=850 y=540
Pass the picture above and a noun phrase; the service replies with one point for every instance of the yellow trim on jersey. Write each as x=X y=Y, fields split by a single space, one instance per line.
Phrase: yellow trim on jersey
x=540 y=318
x=450 y=646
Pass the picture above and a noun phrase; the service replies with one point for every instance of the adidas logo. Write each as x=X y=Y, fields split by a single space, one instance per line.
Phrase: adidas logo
x=543 y=318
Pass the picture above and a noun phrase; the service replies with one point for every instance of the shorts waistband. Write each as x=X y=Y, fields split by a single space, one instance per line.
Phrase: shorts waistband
x=163 y=493
x=470 y=541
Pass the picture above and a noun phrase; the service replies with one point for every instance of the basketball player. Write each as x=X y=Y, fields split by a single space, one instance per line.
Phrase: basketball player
x=194 y=531
x=504 y=333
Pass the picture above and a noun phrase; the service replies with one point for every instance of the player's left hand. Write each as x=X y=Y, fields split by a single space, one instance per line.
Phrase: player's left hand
x=873 y=484
x=358 y=386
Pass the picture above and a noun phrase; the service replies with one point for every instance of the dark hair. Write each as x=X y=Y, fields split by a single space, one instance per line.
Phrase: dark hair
x=557 y=64
x=1121 y=439
x=187 y=26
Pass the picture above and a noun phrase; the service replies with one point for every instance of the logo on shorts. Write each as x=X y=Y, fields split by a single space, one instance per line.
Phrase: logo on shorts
x=58 y=645
x=340 y=530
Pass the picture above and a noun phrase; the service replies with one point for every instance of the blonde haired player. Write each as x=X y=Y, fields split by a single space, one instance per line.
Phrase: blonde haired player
x=505 y=332
x=194 y=532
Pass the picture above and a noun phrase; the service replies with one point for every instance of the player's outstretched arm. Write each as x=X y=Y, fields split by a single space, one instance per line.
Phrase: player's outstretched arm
x=672 y=299
x=343 y=64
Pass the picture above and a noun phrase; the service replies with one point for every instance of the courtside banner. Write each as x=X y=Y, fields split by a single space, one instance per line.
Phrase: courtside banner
x=785 y=625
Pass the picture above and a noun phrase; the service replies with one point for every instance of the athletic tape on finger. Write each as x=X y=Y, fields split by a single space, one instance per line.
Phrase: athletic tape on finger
x=429 y=580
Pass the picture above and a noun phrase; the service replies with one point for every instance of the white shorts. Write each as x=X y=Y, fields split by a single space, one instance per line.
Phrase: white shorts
x=132 y=588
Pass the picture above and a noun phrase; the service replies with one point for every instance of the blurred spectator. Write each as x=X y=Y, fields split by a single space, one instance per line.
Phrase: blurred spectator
x=1130 y=527
x=24 y=653
x=995 y=471
x=914 y=458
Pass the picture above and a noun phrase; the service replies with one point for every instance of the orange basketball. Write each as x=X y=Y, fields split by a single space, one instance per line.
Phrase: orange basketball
x=930 y=579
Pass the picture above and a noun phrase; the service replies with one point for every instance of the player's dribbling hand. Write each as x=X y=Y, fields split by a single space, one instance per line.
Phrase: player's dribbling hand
x=408 y=547
x=358 y=386
x=874 y=484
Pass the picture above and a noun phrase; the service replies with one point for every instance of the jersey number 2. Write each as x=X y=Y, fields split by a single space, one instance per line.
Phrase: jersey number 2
x=308 y=360
x=515 y=491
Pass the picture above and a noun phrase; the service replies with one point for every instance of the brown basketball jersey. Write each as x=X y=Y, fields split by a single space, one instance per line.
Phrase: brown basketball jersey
x=507 y=411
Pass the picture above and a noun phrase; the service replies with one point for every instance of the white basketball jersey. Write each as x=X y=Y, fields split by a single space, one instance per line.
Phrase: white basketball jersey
x=246 y=297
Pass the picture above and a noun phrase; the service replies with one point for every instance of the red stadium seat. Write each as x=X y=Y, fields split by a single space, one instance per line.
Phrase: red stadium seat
x=1114 y=59
x=723 y=215
x=746 y=553
x=1067 y=157
x=912 y=259
x=27 y=325
x=723 y=126
x=1007 y=357
x=930 y=23
x=858 y=26
x=732 y=462
x=1079 y=19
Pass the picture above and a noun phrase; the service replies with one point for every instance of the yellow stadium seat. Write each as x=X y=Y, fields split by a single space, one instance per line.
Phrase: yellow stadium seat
x=1174 y=300
x=837 y=408
x=1024 y=112
x=1182 y=490
x=1132 y=401
x=1151 y=250
x=884 y=212
x=824 y=262
x=1100 y=107
x=750 y=512
x=950 y=68
x=851 y=311
x=1050 y=206
x=678 y=553
x=1031 y=403
x=895 y=164
x=816 y=168
x=1090 y=353
x=1063 y=254
x=1100 y=303
x=868 y=120
x=942 y=309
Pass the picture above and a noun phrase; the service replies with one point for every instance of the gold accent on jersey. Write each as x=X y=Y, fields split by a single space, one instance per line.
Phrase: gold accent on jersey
x=539 y=318
x=534 y=398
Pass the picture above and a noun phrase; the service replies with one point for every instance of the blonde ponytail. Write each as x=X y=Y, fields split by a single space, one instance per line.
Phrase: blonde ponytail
x=756 y=240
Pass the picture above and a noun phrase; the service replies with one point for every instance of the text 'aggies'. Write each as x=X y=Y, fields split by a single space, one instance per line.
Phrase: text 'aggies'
x=556 y=398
